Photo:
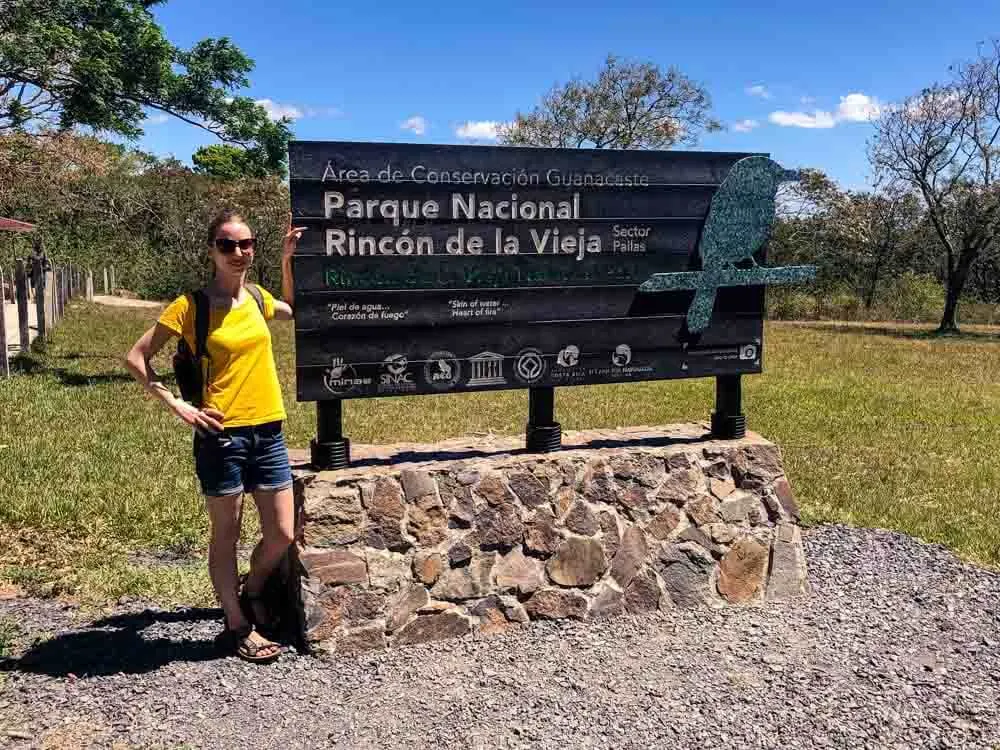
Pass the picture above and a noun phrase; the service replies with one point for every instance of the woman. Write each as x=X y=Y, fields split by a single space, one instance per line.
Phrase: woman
x=238 y=444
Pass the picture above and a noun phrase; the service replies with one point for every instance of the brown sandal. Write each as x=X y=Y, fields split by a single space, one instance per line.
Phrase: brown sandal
x=241 y=641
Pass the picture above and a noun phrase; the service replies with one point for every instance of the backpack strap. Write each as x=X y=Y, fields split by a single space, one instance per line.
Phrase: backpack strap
x=254 y=291
x=201 y=321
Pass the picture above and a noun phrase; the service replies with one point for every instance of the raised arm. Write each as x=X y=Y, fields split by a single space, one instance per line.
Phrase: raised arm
x=284 y=310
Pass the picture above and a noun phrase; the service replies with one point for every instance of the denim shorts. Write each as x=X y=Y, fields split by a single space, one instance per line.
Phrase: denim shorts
x=242 y=459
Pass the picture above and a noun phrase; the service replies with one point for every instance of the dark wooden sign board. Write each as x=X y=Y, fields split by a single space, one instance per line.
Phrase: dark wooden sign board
x=431 y=269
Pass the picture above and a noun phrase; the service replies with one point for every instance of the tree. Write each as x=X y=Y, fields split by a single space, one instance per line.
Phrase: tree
x=630 y=105
x=943 y=143
x=870 y=232
x=104 y=63
x=229 y=162
x=98 y=203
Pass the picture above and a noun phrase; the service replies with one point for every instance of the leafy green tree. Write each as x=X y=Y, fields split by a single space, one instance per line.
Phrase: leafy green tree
x=103 y=63
x=230 y=162
x=631 y=105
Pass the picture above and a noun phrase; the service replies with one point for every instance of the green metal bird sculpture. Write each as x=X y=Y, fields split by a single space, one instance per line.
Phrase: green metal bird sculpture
x=738 y=224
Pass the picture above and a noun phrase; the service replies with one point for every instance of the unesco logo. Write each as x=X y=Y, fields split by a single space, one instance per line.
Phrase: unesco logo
x=530 y=365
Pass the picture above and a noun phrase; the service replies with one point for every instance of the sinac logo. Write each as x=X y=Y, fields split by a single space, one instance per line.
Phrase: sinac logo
x=395 y=373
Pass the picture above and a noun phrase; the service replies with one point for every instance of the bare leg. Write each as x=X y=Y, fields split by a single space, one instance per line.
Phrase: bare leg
x=277 y=525
x=225 y=513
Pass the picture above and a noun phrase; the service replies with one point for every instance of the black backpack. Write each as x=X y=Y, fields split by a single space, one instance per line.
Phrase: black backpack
x=188 y=369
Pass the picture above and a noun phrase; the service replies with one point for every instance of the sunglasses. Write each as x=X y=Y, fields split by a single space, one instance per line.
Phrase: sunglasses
x=226 y=246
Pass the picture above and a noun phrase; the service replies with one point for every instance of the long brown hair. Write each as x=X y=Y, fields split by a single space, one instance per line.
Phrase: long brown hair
x=223 y=217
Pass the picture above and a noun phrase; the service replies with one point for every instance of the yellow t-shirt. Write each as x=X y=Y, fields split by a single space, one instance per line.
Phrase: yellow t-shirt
x=242 y=379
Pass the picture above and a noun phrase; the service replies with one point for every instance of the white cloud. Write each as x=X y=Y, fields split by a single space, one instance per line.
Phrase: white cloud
x=853 y=108
x=745 y=126
x=276 y=111
x=416 y=125
x=321 y=112
x=485 y=130
x=758 y=90
x=858 y=108
x=818 y=119
x=157 y=119
x=293 y=111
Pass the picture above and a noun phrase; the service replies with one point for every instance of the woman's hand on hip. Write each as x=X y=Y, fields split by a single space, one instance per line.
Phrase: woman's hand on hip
x=203 y=420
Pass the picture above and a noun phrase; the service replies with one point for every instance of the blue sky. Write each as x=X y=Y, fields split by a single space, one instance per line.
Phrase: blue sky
x=358 y=71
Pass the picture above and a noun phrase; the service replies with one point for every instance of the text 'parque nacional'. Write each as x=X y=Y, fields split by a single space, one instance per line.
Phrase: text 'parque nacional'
x=459 y=207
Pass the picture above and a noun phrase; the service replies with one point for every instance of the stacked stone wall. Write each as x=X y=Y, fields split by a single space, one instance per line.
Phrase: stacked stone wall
x=428 y=542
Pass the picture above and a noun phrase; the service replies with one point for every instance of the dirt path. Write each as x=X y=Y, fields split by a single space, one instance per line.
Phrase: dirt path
x=103 y=299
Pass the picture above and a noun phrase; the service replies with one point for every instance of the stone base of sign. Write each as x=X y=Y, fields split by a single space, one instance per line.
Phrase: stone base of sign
x=419 y=542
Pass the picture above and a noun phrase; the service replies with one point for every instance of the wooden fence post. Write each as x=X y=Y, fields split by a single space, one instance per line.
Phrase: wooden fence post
x=41 y=309
x=54 y=299
x=4 y=358
x=57 y=276
x=21 y=292
x=114 y=281
x=107 y=289
x=90 y=286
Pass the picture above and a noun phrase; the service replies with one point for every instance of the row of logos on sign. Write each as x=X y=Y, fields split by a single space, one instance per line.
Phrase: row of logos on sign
x=443 y=370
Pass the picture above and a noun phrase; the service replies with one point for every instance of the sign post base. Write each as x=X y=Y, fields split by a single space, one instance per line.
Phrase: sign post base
x=330 y=449
x=543 y=433
x=728 y=420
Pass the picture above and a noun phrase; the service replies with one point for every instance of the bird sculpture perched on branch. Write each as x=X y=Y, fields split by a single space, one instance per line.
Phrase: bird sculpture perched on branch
x=738 y=224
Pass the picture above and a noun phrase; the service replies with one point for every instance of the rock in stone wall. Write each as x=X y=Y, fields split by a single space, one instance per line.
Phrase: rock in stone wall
x=636 y=520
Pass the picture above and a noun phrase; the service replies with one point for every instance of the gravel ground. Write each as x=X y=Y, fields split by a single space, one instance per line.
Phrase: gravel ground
x=896 y=648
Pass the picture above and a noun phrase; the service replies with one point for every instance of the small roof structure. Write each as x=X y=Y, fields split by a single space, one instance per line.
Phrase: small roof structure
x=13 y=225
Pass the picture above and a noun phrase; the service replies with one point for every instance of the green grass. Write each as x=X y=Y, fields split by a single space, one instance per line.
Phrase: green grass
x=879 y=426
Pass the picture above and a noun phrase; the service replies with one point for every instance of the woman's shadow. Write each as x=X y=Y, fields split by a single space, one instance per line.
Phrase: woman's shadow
x=116 y=644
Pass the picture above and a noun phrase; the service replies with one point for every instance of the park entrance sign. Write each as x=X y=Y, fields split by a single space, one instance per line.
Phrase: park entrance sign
x=432 y=269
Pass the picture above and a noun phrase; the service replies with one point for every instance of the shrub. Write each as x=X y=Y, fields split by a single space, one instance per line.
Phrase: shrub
x=790 y=304
x=914 y=298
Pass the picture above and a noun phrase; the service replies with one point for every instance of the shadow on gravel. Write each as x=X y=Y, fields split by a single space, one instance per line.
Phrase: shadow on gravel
x=117 y=644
